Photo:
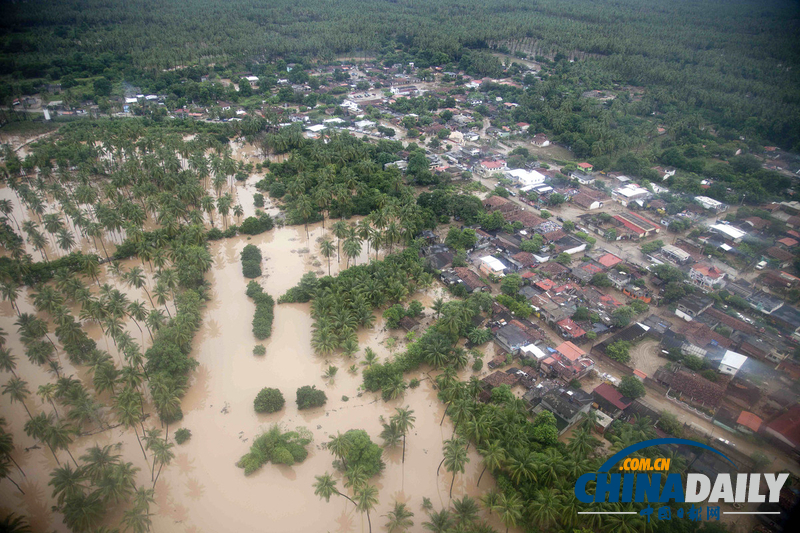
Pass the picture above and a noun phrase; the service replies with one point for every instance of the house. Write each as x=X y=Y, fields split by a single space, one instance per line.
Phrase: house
x=675 y=254
x=586 y=167
x=638 y=224
x=765 y=303
x=541 y=140
x=585 y=201
x=511 y=338
x=786 y=428
x=583 y=178
x=692 y=305
x=691 y=387
x=778 y=256
x=728 y=232
x=710 y=204
x=731 y=363
x=471 y=281
x=568 y=406
x=498 y=203
x=610 y=400
x=630 y=193
x=707 y=276
x=568 y=329
x=492 y=265
x=748 y=422
x=492 y=166
x=525 y=178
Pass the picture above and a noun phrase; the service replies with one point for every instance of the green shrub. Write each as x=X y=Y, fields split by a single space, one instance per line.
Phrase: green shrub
x=254 y=226
x=258 y=199
x=477 y=365
x=309 y=397
x=268 y=401
x=214 y=234
x=182 y=435
x=276 y=447
x=259 y=349
x=264 y=315
x=414 y=383
x=251 y=261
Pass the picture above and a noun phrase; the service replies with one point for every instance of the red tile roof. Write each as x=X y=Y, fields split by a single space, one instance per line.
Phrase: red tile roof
x=707 y=270
x=493 y=164
x=570 y=351
x=571 y=327
x=609 y=260
x=749 y=420
x=612 y=396
x=788 y=425
x=584 y=165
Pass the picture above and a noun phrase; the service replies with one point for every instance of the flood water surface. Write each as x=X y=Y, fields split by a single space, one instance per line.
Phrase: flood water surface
x=203 y=490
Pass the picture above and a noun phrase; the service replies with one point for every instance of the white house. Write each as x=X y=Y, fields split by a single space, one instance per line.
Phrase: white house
x=710 y=203
x=728 y=231
x=707 y=276
x=492 y=265
x=731 y=363
x=364 y=124
x=525 y=178
x=629 y=193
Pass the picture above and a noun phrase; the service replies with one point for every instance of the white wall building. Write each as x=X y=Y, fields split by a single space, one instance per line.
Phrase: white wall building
x=731 y=363
x=525 y=178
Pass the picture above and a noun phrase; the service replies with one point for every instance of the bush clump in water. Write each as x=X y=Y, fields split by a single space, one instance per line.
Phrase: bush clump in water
x=309 y=397
x=255 y=225
x=259 y=349
x=251 y=261
x=277 y=447
x=262 y=319
x=182 y=435
x=268 y=401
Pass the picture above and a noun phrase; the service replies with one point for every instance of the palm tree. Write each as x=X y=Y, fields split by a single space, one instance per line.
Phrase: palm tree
x=544 y=509
x=455 y=460
x=510 y=509
x=404 y=418
x=494 y=457
x=366 y=498
x=340 y=231
x=59 y=436
x=162 y=452
x=5 y=470
x=438 y=305
x=465 y=510
x=440 y=522
x=352 y=248
x=81 y=511
x=128 y=405
x=8 y=362
x=399 y=518
x=325 y=487
x=339 y=446
x=66 y=482
x=326 y=249
x=391 y=434
x=17 y=390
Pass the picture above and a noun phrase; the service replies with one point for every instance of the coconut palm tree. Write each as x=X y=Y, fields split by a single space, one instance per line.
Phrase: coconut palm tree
x=8 y=362
x=366 y=498
x=339 y=446
x=399 y=518
x=404 y=418
x=128 y=406
x=17 y=390
x=325 y=487
x=340 y=231
x=67 y=483
x=455 y=460
x=352 y=248
x=465 y=510
x=509 y=508
x=326 y=249
x=82 y=511
x=390 y=434
x=439 y=522
x=59 y=436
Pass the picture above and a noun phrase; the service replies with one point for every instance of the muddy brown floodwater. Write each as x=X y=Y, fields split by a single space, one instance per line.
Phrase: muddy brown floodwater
x=203 y=490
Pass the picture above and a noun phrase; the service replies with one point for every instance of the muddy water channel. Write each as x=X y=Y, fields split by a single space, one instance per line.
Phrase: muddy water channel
x=202 y=490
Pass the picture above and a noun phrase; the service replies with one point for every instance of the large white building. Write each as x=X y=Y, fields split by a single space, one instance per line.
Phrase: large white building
x=710 y=203
x=630 y=192
x=525 y=178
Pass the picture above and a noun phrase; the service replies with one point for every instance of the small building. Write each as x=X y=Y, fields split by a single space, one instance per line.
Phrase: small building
x=586 y=167
x=492 y=265
x=710 y=204
x=471 y=281
x=525 y=178
x=707 y=276
x=748 y=422
x=731 y=362
x=568 y=406
x=785 y=429
x=541 y=140
x=610 y=400
x=629 y=193
x=692 y=305
x=675 y=254
x=585 y=201
x=728 y=232
x=511 y=338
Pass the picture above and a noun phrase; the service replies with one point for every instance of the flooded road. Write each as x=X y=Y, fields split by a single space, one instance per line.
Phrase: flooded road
x=202 y=490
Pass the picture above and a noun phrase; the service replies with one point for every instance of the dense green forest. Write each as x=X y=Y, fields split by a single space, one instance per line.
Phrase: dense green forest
x=734 y=63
